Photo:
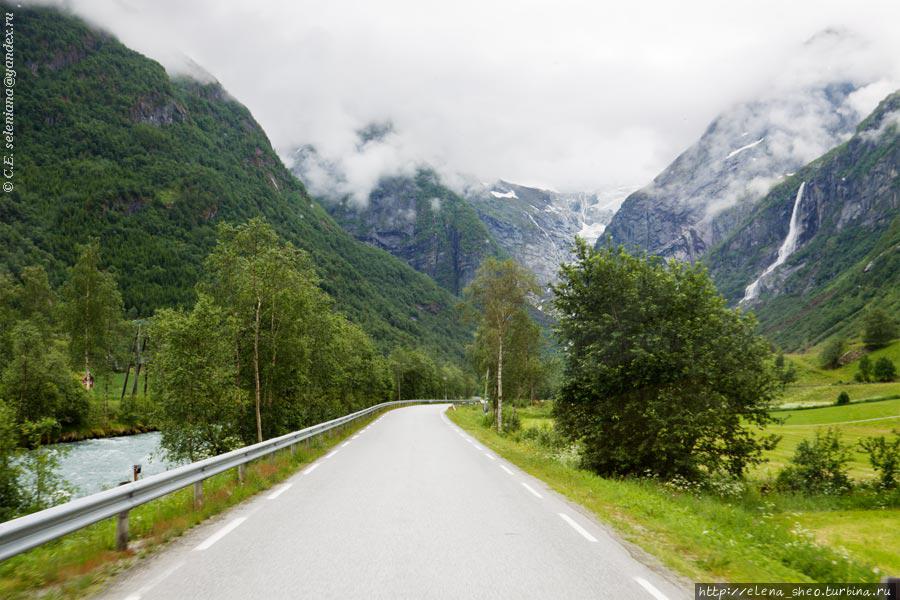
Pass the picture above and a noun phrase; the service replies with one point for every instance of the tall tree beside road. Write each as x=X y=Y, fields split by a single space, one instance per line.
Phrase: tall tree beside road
x=270 y=289
x=500 y=294
x=661 y=377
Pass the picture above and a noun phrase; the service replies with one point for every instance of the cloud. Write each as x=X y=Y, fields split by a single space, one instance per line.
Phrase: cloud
x=567 y=95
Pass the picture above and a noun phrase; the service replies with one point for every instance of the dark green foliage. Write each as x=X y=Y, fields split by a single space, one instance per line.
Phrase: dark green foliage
x=661 y=377
x=37 y=381
x=785 y=370
x=91 y=312
x=817 y=467
x=843 y=398
x=10 y=494
x=511 y=420
x=864 y=374
x=884 y=370
x=198 y=401
x=884 y=456
x=110 y=147
x=261 y=354
x=415 y=374
x=832 y=353
x=879 y=328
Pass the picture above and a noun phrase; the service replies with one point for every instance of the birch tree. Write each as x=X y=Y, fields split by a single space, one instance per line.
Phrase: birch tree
x=500 y=293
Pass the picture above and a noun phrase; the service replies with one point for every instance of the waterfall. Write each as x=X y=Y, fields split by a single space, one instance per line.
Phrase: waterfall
x=787 y=247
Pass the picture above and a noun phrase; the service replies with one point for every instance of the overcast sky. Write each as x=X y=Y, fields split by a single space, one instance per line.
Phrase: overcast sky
x=566 y=95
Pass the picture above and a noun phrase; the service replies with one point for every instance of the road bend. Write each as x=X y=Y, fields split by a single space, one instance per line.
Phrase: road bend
x=409 y=507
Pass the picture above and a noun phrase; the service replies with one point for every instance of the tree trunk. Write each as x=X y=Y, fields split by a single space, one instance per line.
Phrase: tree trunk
x=259 y=436
x=500 y=386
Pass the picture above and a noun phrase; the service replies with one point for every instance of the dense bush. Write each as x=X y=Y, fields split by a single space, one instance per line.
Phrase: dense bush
x=832 y=353
x=884 y=456
x=511 y=420
x=884 y=369
x=818 y=466
x=661 y=377
x=843 y=398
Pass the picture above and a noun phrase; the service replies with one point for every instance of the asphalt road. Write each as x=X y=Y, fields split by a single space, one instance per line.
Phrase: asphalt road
x=410 y=507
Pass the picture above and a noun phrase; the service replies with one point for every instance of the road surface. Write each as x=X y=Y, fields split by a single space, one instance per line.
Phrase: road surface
x=410 y=507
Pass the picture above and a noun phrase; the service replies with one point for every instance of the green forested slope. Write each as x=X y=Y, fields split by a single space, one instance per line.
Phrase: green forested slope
x=425 y=223
x=108 y=145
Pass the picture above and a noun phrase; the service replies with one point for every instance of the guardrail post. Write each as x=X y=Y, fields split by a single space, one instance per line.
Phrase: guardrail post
x=241 y=468
x=293 y=449
x=198 y=495
x=122 y=531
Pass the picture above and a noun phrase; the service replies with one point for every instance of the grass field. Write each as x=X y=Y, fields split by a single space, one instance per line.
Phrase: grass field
x=854 y=421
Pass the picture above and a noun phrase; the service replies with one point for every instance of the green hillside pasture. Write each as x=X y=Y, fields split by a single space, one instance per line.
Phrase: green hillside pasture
x=854 y=421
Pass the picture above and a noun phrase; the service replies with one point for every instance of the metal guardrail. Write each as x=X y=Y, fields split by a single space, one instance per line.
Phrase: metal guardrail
x=24 y=533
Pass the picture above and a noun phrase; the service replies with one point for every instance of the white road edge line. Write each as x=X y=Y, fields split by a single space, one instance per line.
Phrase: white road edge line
x=345 y=444
x=220 y=534
x=310 y=469
x=651 y=588
x=330 y=454
x=355 y=436
x=508 y=472
x=577 y=527
x=489 y=456
x=279 y=491
x=534 y=491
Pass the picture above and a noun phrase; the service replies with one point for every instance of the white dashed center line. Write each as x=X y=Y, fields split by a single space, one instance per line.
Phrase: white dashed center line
x=577 y=527
x=651 y=588
x=220 y=533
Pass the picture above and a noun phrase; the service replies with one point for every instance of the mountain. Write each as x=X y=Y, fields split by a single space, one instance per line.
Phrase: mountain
x=823 y=245
x=414 y=217
x=108 y=145
x=696 y=201
x=538 y=227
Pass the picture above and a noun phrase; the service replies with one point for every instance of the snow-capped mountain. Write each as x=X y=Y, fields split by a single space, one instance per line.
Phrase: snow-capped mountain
x=538 y=227
x=697 y=200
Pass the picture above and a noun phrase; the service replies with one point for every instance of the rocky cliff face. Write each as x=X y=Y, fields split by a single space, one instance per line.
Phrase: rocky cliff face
x=698 y=199
x=538 y=227
x=812 y=275
x=422 y=222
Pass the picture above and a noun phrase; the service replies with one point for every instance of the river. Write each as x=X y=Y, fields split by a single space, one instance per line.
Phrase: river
x=94 y=465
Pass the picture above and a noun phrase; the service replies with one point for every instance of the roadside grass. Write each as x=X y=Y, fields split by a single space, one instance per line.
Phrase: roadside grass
x=749 y=537
x=867 y=534
x=79 y=563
